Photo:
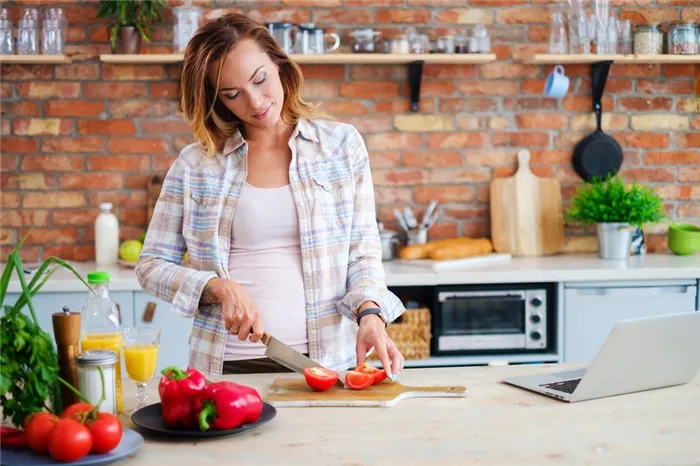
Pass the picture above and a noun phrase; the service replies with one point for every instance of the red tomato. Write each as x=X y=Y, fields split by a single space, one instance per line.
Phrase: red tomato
x=69 y=441
x=38 y=429
x=320 y=378
x=76 y=408
x=359 y=380
x=106 y=432
x=377 y=373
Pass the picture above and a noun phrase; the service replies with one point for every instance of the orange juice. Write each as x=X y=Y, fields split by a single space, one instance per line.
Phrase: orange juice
x=112 y=342
x=140 y=361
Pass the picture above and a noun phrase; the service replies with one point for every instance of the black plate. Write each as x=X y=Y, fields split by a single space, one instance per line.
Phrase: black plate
x=150 y=418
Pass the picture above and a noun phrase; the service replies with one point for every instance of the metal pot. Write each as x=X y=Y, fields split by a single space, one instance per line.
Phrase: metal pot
x=614 y=240
x=128 y=41
x=390 y=244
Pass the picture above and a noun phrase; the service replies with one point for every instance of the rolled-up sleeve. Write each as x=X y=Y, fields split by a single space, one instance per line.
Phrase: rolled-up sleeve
x=365 y=276
x=158 y=270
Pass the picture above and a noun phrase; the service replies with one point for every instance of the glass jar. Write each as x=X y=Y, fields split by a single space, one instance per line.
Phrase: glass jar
x=363 y=40
x=400 y=44
x=7 y=39
x=90 y=380
x=28 y=34
x=461 y=44
x=188 y=18
x=683 y=38
x=648 y=39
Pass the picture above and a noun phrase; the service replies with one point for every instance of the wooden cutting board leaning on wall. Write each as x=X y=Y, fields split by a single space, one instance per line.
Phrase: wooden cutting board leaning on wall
x=526 y=213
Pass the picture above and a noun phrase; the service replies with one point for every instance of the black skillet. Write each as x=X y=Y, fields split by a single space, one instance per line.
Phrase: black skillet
x=598 y=154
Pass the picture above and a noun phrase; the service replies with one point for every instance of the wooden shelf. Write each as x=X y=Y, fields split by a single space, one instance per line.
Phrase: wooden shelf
x=324 y=59
x=564 y=59
x=35 y=59
x=142 y=58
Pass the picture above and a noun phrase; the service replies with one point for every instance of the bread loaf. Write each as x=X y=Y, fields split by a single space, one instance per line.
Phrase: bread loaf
x=475 y=247
x=445 y=248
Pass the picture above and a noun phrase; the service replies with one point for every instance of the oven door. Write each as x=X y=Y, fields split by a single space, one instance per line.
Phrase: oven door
x=481 y=320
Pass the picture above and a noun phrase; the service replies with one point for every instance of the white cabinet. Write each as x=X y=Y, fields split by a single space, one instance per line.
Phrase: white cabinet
x=591 y=309
x=46 y=304
x=175 y=331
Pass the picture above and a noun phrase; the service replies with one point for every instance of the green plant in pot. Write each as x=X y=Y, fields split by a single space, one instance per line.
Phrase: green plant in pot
x=29 y=377
x=617 y=210
x=130 y=22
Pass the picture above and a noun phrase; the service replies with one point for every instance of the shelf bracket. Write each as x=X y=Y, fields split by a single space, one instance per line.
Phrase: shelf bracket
x=415 y=75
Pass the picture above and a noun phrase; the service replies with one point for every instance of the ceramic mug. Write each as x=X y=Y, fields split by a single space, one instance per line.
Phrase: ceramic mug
x=557 y=84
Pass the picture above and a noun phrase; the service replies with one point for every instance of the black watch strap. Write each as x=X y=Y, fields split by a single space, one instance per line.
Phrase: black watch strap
x=371 y=310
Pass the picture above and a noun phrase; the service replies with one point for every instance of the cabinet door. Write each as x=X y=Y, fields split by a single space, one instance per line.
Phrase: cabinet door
x=591 y=311
x=174 y=330
x=48 y=303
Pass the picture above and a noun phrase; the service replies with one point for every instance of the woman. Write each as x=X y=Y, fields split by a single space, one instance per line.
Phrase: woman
x=274 y=204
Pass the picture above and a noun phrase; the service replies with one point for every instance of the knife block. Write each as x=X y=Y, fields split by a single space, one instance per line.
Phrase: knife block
x=66 y=329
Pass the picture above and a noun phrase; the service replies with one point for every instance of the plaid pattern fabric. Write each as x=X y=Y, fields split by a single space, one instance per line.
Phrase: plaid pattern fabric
x=340 y=248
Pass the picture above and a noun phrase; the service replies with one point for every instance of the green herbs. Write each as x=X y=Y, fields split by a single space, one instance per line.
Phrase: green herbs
x=28 y=359
x=138 y=14
x=610 y=201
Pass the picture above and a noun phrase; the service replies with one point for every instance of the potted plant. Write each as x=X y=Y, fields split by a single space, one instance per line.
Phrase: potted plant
x=29 y=378
x=617 y=210
x=131 y=22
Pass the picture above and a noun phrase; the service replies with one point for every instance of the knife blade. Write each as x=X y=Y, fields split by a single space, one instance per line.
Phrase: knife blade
x=291 y=358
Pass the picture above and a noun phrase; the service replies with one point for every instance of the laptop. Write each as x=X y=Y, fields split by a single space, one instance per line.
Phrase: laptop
x=638 y=354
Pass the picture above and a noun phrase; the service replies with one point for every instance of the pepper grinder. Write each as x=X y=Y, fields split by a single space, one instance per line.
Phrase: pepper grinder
x=66 y=329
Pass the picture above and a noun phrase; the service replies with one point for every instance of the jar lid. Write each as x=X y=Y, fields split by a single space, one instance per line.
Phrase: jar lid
x=647 y=26
x=96 y=358
x=387 y=234
x=98 y=278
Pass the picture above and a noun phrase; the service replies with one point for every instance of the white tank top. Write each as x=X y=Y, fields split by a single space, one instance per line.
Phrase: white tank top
x=265 y=259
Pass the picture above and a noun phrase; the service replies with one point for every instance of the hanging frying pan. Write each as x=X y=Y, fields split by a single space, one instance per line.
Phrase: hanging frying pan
x=598 y=154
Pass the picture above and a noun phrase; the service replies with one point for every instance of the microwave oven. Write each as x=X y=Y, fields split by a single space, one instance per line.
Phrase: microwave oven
x=480 y=319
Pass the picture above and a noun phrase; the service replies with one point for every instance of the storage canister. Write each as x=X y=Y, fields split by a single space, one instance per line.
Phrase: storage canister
x=683 y=38
x=648 y=39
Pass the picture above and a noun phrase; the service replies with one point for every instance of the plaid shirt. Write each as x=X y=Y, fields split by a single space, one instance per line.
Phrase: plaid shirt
x=340 y=249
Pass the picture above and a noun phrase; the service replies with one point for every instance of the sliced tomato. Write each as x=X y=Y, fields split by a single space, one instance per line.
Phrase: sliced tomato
x=359 y=380
x=320 y=378
x=377 y=374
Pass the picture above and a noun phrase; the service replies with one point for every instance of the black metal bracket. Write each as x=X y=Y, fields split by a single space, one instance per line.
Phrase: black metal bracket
x=415 y=75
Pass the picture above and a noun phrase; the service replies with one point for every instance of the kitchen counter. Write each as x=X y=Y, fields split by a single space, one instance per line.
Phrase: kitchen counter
x=495 y=424
x=561 y=268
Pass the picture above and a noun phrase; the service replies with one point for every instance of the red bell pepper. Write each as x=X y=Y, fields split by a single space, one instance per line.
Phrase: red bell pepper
x=178 y=391
x=11 y=437
x=227 y=405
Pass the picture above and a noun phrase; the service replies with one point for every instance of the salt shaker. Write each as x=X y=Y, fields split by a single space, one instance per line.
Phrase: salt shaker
x=7 y=40
x=90 y=381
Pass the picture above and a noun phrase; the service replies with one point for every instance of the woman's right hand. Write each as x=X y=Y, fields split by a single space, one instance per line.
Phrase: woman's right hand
x=241 y=316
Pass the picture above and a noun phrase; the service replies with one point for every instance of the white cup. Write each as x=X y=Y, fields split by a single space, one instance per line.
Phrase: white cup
x=557 y=84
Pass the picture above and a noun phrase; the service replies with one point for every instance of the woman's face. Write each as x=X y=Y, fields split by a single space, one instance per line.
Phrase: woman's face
x=250 y=85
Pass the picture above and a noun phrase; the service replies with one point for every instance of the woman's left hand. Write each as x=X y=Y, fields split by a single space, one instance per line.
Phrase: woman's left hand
x=372 y=333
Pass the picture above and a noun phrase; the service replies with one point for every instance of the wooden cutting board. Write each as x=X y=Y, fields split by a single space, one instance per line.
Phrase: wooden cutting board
x=296 y=393
x=526 y=213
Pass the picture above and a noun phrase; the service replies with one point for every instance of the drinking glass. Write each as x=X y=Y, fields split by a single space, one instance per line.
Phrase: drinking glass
x=140 y=345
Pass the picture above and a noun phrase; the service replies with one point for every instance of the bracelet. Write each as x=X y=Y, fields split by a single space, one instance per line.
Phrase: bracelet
x=371 y=310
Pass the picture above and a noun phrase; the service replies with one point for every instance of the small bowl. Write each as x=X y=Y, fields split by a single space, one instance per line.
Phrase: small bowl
x=683 y=239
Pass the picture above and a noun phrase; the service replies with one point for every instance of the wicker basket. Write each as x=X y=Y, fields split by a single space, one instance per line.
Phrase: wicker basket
x=411 y=334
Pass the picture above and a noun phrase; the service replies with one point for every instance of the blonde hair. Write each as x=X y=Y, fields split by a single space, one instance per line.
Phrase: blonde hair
x=211 y=122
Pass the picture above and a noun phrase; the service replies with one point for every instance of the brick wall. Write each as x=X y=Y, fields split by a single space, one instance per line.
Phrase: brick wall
x=80 y=134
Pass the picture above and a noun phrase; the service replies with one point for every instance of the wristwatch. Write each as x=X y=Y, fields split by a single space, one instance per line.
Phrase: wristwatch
x=370 y=310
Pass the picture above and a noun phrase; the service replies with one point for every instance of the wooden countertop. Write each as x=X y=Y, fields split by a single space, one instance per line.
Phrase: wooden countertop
x=495 y=424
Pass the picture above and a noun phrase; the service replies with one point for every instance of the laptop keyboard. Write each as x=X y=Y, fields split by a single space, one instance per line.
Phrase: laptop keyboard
x=567 y=386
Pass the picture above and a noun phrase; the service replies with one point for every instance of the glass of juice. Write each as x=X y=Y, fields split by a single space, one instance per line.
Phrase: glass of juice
x=140 y=345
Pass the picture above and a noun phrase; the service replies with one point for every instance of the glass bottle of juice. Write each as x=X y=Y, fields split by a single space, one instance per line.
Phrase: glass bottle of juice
x=101 y=324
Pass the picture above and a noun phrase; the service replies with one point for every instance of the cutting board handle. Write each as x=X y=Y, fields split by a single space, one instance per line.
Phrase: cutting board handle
x=524 y=163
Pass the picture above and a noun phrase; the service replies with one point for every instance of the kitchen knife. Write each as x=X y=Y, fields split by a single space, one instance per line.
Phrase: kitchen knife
x=292 y=359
